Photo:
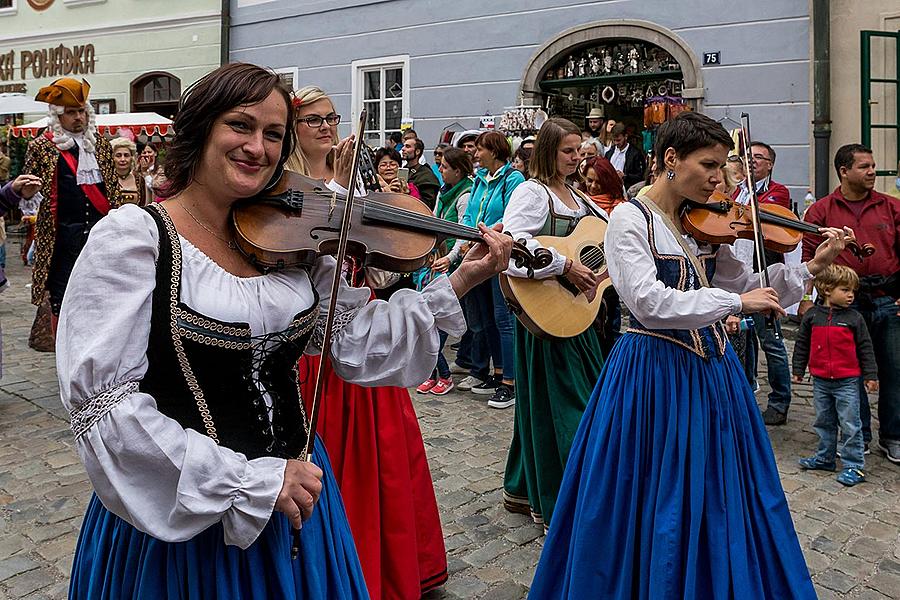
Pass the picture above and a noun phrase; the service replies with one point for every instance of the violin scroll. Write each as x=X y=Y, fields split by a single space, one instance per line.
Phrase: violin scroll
x=525 y=258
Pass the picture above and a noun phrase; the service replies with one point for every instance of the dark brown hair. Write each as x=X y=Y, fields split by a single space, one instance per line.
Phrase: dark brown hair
x=495 y=142
x=687 y=133
x=543 y=164
x=230 y=85
x=459 y=160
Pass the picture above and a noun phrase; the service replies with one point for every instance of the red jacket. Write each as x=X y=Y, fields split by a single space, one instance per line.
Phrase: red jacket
x=878 y=224
x=774 y=193
x=836 y=344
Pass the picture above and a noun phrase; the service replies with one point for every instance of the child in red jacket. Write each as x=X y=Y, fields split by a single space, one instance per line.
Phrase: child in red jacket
x=835 y=343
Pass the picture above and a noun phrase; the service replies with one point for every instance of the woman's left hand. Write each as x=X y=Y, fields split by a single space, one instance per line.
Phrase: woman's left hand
x=835 y=241
x=343 y=161
x=483 y=261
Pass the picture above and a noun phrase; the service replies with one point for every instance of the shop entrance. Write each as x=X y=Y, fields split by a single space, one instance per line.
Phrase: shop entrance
x=634 y=72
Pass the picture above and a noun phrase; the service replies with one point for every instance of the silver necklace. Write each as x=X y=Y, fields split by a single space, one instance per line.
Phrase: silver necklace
x=230 y=243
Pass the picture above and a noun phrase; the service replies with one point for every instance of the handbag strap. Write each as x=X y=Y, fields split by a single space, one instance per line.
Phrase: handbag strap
x=688 y=252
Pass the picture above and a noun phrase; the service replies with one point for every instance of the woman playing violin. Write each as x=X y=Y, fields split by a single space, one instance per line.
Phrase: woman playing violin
x=671 y=488
x=177 y=361
x=371 y=433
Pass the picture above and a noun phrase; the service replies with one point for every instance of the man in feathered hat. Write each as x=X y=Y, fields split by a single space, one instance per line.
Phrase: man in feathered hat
x=79 y=185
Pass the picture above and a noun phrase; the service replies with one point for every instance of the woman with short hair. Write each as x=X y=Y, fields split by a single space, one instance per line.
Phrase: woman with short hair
x=671 y=489
x=489 y=318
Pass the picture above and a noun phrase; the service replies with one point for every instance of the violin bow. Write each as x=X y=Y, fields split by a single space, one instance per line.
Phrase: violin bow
x=319 y=387
x=758 y=240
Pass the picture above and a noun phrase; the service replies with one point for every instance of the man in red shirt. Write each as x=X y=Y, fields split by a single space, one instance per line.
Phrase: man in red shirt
x=875 y=219
x=769 y=192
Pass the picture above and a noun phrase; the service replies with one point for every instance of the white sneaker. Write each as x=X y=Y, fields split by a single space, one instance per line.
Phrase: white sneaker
x=468 y=383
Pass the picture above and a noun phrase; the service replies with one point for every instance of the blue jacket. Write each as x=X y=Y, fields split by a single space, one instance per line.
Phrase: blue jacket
x=490 y=195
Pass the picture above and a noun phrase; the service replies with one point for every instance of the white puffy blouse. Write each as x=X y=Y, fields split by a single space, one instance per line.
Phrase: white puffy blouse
x=171 y=482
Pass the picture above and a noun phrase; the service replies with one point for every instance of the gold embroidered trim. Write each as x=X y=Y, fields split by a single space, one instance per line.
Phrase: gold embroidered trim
x=177 y=343
x=205 y=323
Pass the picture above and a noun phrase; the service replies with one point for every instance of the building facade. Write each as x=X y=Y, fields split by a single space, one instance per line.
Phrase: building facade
x=138 y=55
x=438 y=64
x=865 y=53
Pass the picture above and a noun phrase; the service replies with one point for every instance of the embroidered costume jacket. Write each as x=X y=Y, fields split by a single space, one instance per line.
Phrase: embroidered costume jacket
x=43 y=160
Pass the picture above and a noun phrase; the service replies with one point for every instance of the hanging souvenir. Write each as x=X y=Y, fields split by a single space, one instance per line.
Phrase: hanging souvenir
x=608 y=94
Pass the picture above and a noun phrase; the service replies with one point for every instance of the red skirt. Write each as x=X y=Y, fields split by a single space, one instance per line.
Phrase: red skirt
x=373 y=440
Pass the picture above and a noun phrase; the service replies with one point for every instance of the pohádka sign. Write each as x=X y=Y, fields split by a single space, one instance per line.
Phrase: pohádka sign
x=48 y=62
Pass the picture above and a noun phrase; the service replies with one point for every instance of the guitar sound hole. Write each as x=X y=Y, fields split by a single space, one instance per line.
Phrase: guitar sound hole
x=593 y=257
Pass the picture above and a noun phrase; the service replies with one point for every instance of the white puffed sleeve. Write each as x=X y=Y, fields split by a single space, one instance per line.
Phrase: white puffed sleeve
x=524 y=217
x=167 y=481
x=736 y=276
x=632 y=270
x=386 y=342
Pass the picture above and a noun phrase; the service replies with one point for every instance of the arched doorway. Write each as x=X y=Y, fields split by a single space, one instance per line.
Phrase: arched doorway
x=157 y=92
x=619 y=67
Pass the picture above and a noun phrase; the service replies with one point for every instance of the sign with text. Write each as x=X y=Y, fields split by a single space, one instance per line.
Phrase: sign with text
x=48 y=62
x=712 y=58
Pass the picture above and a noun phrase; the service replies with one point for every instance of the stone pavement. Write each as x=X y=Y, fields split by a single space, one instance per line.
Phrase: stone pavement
x=851 y=537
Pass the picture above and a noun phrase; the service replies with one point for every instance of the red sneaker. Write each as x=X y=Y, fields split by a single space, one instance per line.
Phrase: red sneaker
x=442 y=386
x=426 y=386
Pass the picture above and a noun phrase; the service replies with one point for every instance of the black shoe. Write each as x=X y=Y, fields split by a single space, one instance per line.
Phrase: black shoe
x=486 y=388
x=504 y=397
x=773 y=417
x=891 y=450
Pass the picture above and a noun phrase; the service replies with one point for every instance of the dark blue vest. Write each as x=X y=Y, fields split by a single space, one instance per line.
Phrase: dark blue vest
x=678 y=272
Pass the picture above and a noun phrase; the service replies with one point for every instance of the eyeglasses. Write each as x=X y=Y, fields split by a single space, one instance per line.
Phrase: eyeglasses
x=761 y=157
x=734 y=158
x=315 y=121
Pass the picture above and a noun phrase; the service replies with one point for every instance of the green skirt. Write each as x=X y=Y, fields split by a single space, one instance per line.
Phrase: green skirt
x=554 y=381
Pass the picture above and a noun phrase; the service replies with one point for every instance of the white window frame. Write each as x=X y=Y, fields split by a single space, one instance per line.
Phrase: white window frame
x=358 y=69
x=8 y=12
x=293 y=71
x=79 y=2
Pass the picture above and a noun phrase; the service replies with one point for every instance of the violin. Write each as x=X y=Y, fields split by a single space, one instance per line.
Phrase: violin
x=721 y=220
x=299 y=219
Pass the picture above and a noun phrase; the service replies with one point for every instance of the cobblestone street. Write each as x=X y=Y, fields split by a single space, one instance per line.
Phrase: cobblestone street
x=851 y=536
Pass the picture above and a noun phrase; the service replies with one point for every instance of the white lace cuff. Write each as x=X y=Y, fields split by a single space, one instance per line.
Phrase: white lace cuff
x=92 y=410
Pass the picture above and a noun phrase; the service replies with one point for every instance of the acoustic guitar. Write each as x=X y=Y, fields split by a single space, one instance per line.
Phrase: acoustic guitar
x=554 y=308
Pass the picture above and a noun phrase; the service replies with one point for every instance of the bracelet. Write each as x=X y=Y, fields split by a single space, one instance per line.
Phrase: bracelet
x=568 y=266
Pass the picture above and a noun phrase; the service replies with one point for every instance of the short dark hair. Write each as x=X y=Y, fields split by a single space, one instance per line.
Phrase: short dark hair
x=396 y=137
x=686 y=133
x=524 y=154
x=768 y=148
x=390 y=153
x=846 y=156
x=410 y=133
x=420 y=146
x=230 y=85
x=459 y=160
x=495 y=142
x=618 y=129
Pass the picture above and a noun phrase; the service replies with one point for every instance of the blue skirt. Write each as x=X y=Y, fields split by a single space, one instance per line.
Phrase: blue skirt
x=115 y=561
x=671 y=489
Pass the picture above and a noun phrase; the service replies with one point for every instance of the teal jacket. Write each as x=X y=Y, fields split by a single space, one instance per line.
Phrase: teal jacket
x=490 y=195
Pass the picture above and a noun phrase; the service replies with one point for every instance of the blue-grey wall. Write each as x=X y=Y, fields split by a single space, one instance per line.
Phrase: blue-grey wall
x=468 y=56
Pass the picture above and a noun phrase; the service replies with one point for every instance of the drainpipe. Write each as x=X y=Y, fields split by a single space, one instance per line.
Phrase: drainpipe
x=225 y=35
x=821 y=95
